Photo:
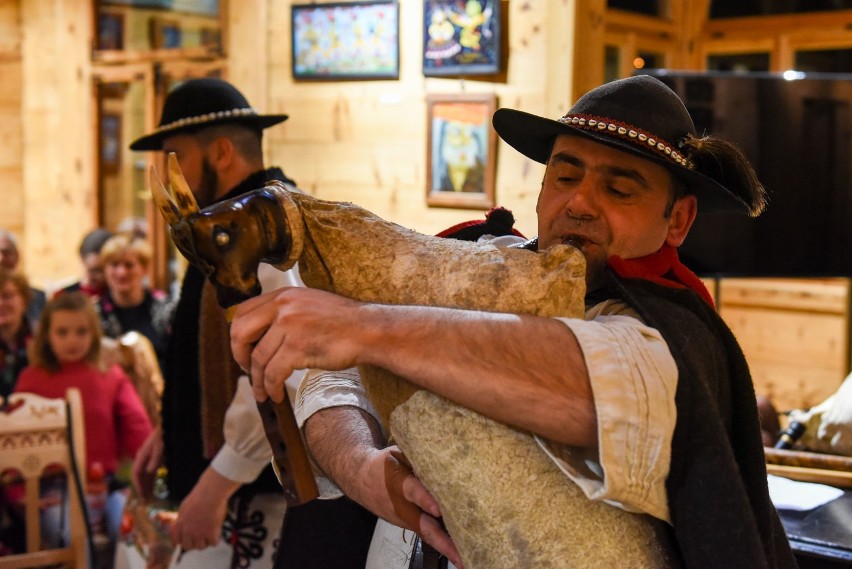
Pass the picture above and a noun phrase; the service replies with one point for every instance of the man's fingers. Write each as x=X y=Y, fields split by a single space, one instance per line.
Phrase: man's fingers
x=268 y=365
x=433 y=534
x=397 y=453
x=395 y=476
x=275 y=376
x=188 y=540
x=415 y=506
x=414 y=491
x=248 y=326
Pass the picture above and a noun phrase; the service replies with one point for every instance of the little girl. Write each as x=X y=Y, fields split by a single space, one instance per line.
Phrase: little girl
x=65 y=353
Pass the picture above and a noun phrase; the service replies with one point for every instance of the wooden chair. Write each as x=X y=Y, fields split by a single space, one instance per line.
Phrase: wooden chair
x=36 y=432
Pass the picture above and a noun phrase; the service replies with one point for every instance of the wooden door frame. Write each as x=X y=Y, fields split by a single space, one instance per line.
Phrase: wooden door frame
x=156 y=77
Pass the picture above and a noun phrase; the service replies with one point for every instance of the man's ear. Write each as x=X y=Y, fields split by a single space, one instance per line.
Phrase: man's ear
x=683 y=215
x=220 y=153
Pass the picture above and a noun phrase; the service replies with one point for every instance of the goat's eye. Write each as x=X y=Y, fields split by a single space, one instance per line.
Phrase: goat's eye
x=221 y=236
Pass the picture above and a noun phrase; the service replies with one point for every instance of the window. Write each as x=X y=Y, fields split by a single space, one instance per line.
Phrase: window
x=739 y=62
x=741 y=8
x=825 y=61
x=612 y=63
x=648 y=7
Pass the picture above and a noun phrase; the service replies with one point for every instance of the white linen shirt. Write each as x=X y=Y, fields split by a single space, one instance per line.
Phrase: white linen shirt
x=246 y=451
x=633 y=378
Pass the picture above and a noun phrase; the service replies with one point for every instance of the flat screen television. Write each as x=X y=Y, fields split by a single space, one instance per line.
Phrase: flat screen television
x=797 y=133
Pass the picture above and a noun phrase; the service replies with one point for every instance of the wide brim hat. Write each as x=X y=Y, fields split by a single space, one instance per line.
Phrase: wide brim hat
x=199 y=103
x=639 y=115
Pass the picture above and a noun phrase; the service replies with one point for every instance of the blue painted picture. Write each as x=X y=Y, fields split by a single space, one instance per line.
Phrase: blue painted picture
x=461 y=37
x=461 y=147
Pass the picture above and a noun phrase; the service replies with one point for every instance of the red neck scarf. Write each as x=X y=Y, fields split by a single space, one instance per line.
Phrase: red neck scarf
x=664 y=268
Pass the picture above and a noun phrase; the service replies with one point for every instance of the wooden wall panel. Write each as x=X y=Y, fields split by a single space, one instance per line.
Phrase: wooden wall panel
x=588 y=37
x=11 y=123
x=794 y=333
x=247 y=49
x=58 y=139
x=365 y=141
x=10 y=30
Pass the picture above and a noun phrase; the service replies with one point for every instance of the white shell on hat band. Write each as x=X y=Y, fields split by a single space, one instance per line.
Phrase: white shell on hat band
x=629 y=133
x=209 y=117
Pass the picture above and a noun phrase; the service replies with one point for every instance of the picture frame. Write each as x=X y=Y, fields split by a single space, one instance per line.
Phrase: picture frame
x=110 y=31
x=201 y=7
x=367 y=45
x=110 y=143
x=211 y=38
x=461 y=37
x=165 y=33
x=461 y=150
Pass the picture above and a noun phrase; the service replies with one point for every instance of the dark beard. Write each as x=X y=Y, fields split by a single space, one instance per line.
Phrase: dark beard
x=206 y=194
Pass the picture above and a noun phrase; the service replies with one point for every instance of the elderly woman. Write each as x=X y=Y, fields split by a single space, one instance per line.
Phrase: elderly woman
x=128 y=303
x=15 y=331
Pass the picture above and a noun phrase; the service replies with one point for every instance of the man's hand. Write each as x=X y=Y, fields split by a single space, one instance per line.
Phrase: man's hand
x=148 y=459
x=292 y=328
x=392 y=491
x=346 y=443
x=202 y=512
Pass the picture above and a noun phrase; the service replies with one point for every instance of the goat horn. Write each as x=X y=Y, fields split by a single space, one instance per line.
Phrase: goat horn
x=162 y=198
x=180 y=189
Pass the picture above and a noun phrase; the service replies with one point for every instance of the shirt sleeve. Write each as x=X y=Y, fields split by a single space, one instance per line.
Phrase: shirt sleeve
x=633 y=377
x=246 y=451
x=322 y=389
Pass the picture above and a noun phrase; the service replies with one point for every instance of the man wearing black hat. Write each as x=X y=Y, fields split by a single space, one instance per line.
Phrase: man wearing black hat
x=212 y=440
x=646 y=403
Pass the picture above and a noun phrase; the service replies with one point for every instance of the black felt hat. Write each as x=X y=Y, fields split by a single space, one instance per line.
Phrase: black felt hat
x=642 y=116
x=198 y=103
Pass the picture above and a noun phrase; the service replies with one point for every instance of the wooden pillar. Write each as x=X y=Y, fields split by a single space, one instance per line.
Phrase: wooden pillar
x=560 y=58
x=247 y=27
x=11 y=122
x=59 y=193
x=690 y=24
x=589 y=28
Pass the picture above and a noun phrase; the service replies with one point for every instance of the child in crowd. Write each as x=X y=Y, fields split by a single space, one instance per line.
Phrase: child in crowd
x=66 y=353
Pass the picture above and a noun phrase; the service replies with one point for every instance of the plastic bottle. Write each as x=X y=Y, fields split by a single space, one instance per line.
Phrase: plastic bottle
x=97 y=493
x=161 y=490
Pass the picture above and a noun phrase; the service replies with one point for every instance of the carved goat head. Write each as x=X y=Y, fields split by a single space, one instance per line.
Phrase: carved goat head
x=229 y=239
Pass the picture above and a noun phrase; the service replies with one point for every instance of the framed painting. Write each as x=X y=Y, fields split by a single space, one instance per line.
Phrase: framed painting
x=110 y=142
x=461 y=37
x=461 y=146
x=110 y=31
x=165 y=33
x=202 y=7
x=211 y=38
x=335 y=41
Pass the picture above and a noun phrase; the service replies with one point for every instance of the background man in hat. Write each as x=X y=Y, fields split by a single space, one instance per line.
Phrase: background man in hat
x=92 y=282
x=212 y=439
x=651 y=377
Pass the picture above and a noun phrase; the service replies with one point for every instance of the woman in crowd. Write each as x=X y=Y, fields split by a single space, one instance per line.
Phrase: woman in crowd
x=15 y=332
x=128 y=303
x=66 y=353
